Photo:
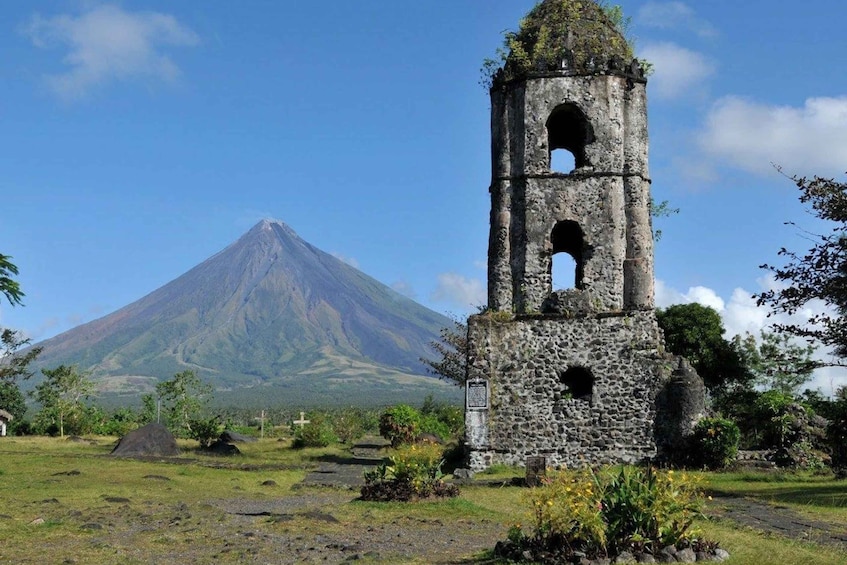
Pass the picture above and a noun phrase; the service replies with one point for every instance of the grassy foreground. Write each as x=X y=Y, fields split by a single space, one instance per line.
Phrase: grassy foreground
x=69 y=502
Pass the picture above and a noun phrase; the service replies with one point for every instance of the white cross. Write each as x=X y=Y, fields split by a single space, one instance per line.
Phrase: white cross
x=302 y=421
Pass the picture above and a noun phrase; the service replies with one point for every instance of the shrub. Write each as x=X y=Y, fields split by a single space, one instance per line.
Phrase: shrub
x=414 y=473
x=836 y=431
x=205 y=431
x=119 y=423
x=350 y=424
x=430 y=424
x=714 y=443
x=606 y=512
x=795 y=435
x=400 y=424
x=317 y=433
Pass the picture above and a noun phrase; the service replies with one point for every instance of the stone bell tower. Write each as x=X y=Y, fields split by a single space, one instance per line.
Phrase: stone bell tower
x=571 y=375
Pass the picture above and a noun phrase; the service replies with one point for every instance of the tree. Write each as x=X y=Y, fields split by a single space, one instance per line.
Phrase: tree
x=819 y=274
x=661 y=210
x=696 y=332
x=775 y=362
x=62 y=393
x=9 y=286
x=12 y=400
x=183 y=397
x=452 y=349
x=12 y=364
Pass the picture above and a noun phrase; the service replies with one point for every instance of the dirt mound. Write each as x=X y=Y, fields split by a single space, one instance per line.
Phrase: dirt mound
x=150 y=440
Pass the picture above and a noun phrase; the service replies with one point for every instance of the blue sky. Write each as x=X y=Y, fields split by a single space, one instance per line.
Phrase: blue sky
x=141 y=137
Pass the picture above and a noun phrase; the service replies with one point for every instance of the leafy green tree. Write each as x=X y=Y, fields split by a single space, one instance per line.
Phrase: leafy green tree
x=183 y=398
x=818 y=274
x=452 y=354
x=63 y=392
x=149 y=411
x=776 y=362
x=12 y=400
x=9 y=287
x=837 y=429
x=14 y=365
x=206 y=430
x=696 y=332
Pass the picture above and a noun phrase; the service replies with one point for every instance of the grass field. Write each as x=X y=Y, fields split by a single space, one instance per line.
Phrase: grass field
x=70 y=502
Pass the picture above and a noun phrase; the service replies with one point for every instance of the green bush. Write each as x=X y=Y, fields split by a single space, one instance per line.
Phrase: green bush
x=317 y=433
x=430 y=424
x=119 y=423
x=400 y=424
x=205 y=430
x=714 y=443
x=606 y=512
x=414 y=473
x=349 y=424
x=836 y=431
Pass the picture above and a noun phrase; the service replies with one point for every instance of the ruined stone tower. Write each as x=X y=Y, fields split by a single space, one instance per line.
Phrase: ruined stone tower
x=571 y=375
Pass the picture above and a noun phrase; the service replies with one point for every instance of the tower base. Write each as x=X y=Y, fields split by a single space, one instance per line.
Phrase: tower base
x=577 y=391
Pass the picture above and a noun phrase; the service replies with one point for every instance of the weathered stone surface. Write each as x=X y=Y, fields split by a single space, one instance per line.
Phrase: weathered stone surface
x=686 y=555
x=607 y=195
x=721 y=554
x=680 y=404
x=624 y=557
x=534 y=411
x=573 y=375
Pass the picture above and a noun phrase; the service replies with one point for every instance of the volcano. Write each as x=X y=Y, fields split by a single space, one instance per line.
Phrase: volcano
x=269 y=312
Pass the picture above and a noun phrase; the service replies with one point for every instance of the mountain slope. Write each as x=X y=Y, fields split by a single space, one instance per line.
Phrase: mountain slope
x=267 y=309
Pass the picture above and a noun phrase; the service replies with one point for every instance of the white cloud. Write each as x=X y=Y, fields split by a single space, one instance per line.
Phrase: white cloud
x=674 y=15
x=666 y=296
x=404 y=288
x=811 y=139
x=741 y=315
x=677 y=70
x=108 y=43
x=459 y=291
x=349 y=260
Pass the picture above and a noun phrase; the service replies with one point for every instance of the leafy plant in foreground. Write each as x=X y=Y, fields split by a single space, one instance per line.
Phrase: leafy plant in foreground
x=414 y=473
x=605 y=512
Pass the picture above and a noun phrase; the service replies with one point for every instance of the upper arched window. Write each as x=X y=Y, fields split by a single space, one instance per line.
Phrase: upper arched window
x=568 y=132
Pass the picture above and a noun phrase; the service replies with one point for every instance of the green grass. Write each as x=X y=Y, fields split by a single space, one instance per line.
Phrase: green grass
x=820 y=497
x=98 y=509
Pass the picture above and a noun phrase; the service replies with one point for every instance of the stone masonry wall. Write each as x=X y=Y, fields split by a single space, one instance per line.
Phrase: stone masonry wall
x=530 y=413
x=608 y=196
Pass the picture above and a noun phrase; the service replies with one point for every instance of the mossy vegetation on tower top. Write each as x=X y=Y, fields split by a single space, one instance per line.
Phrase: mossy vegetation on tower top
x=572 y=36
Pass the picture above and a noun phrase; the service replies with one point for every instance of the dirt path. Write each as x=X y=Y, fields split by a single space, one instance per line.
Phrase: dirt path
x=775 y=519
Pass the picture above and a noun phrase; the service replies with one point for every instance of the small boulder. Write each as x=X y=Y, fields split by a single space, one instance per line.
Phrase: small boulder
x=228 y=436
x=152 y=440
x=221 y=447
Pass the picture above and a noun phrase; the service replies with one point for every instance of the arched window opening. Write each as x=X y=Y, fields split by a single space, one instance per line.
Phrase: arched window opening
x=563 y=271
x=562 y=161
x=578 y=382
x=567 y=239
x=568 y=129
